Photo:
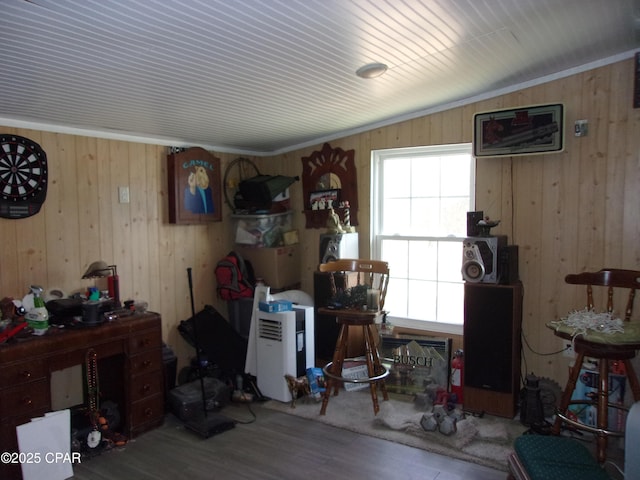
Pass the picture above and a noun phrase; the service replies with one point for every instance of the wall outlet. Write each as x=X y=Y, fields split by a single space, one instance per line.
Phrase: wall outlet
x=123 y=194
x=568 y=351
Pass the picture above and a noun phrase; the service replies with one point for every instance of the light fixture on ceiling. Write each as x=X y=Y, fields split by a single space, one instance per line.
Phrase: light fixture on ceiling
x=371 y=70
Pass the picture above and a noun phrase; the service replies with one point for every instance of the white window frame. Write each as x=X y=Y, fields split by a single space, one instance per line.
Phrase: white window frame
x=377 y=157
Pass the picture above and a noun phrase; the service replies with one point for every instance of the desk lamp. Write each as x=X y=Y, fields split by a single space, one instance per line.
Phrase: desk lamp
x=100 y=269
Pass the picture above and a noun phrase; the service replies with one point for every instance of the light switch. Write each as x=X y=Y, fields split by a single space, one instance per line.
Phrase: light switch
x=581 y=128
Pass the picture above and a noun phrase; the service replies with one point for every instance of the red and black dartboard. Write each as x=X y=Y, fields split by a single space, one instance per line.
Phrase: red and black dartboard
x=23 y=176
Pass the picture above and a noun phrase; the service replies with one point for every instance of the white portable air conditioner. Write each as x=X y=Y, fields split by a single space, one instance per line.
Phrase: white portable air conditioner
x=284 y=346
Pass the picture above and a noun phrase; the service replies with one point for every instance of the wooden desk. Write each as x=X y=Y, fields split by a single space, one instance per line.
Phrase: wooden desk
x=129 y=352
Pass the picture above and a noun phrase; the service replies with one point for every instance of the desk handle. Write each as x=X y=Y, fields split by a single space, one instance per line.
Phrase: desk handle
x=146 y=387
x=145 y=342
x=148 y=412
x=26 y=374
x=27 y=401
x=147 y=363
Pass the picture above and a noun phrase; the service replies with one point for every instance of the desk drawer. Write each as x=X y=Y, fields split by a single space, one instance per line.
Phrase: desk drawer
x=25 y=399
x=148 y=410
x=146 y=385
x=146 y=362
x=22 y=372
x=145 y=340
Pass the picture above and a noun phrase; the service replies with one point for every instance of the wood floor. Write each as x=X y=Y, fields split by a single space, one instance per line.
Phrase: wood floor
x=274 y=446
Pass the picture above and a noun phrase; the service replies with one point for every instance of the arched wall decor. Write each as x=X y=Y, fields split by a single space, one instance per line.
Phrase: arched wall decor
x=330 y=170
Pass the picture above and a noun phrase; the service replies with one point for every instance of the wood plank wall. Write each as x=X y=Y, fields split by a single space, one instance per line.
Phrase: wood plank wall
x=81 y=222
x=568 y=212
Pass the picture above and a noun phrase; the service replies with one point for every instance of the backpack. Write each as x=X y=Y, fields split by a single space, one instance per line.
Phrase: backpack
x=234 y=277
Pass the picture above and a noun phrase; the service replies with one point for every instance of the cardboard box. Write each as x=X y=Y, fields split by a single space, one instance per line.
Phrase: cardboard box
x=587 y=390
x=264 y=231
x=355 y=369
x=279 y=267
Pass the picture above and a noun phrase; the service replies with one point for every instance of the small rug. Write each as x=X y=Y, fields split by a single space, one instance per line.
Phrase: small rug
x=486 y=440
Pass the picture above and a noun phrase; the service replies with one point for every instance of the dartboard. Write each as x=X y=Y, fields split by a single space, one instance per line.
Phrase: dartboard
x=23 y=176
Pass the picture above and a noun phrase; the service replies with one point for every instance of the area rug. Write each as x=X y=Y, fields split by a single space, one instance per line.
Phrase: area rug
x=486 y=440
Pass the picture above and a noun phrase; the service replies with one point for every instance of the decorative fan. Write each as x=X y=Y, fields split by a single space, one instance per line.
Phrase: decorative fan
x=23 y=176
x=238 y=170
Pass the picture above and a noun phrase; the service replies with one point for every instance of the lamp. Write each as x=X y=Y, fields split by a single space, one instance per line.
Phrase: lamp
x=100 y=269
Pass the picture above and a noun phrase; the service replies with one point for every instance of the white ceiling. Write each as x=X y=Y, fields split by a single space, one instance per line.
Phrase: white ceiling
x=267 y=76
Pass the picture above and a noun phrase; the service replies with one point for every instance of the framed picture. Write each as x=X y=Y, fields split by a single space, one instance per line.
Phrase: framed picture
x=519 y=131
x=194 y=187
x=324 y=199
x=636 y=81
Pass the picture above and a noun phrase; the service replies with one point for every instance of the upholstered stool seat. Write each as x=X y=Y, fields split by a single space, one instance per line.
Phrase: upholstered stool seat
x=541 y=457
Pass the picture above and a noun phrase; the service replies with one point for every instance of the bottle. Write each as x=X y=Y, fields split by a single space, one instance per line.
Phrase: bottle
x=38 y=316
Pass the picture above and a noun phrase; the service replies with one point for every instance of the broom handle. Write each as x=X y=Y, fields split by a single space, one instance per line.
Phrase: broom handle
x=195 y=340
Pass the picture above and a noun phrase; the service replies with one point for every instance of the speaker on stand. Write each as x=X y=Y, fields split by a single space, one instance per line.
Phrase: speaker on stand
x=492 y=327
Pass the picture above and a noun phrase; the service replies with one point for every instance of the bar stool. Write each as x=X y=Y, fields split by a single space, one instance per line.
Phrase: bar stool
x=370 y=278
x=605 y=348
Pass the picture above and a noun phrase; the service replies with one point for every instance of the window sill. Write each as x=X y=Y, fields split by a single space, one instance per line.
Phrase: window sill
x=432 y=327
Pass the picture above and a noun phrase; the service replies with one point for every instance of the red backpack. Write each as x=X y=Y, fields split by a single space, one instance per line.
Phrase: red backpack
x=233 y=276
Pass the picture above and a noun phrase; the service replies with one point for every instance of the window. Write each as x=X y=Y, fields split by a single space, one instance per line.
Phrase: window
x=420 y=199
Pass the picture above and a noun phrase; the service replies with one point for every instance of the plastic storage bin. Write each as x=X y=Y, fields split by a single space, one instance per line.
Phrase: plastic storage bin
x=262 y=230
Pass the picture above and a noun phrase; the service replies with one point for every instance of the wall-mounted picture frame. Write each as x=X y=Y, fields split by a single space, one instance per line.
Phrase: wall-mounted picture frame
x=519 y=131
x=324 y=199
x=194 y=187
x=636 y=81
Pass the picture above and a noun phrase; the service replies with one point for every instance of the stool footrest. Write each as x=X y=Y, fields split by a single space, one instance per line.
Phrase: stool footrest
x=581 y=426
x=377 y=378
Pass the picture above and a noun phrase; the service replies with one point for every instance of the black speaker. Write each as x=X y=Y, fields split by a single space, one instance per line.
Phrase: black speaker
x=472 y=223
x=492 y=323
x=508 y=264
x=326 y=327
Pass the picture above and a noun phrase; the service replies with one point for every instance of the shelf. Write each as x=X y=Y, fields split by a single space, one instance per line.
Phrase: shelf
x=318 y=218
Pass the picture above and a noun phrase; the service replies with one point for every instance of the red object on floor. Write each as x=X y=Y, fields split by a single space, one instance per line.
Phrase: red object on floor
x=457 y=375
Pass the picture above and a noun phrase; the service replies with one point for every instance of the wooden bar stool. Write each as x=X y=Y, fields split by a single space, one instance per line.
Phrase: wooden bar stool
x=604 y=347
x=367 y=277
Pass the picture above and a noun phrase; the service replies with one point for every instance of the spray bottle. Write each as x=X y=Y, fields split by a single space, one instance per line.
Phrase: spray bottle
x=38 y=317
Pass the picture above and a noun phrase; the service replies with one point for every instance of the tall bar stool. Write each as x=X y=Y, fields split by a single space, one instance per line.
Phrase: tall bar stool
x=605 y=348
x=369 y=278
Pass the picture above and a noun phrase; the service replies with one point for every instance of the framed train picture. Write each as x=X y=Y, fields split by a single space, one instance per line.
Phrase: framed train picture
x=519 y=131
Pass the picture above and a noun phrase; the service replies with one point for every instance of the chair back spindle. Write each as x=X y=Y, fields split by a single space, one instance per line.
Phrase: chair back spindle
x=373 y=273
x=611 y=278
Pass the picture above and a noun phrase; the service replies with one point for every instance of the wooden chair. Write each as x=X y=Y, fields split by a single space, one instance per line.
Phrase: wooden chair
x=362 y=277
x=605 y=348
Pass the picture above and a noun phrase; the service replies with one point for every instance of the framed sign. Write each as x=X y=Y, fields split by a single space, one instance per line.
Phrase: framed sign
x=324 y=199
x=519 y=131
x=636 y=81
x=194 y=187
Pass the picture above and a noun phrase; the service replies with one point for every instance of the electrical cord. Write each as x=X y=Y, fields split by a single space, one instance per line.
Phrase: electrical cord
x=247 y=402
x=526 y=342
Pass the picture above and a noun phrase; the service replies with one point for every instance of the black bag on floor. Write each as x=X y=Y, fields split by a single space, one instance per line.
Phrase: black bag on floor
x=217 y=339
